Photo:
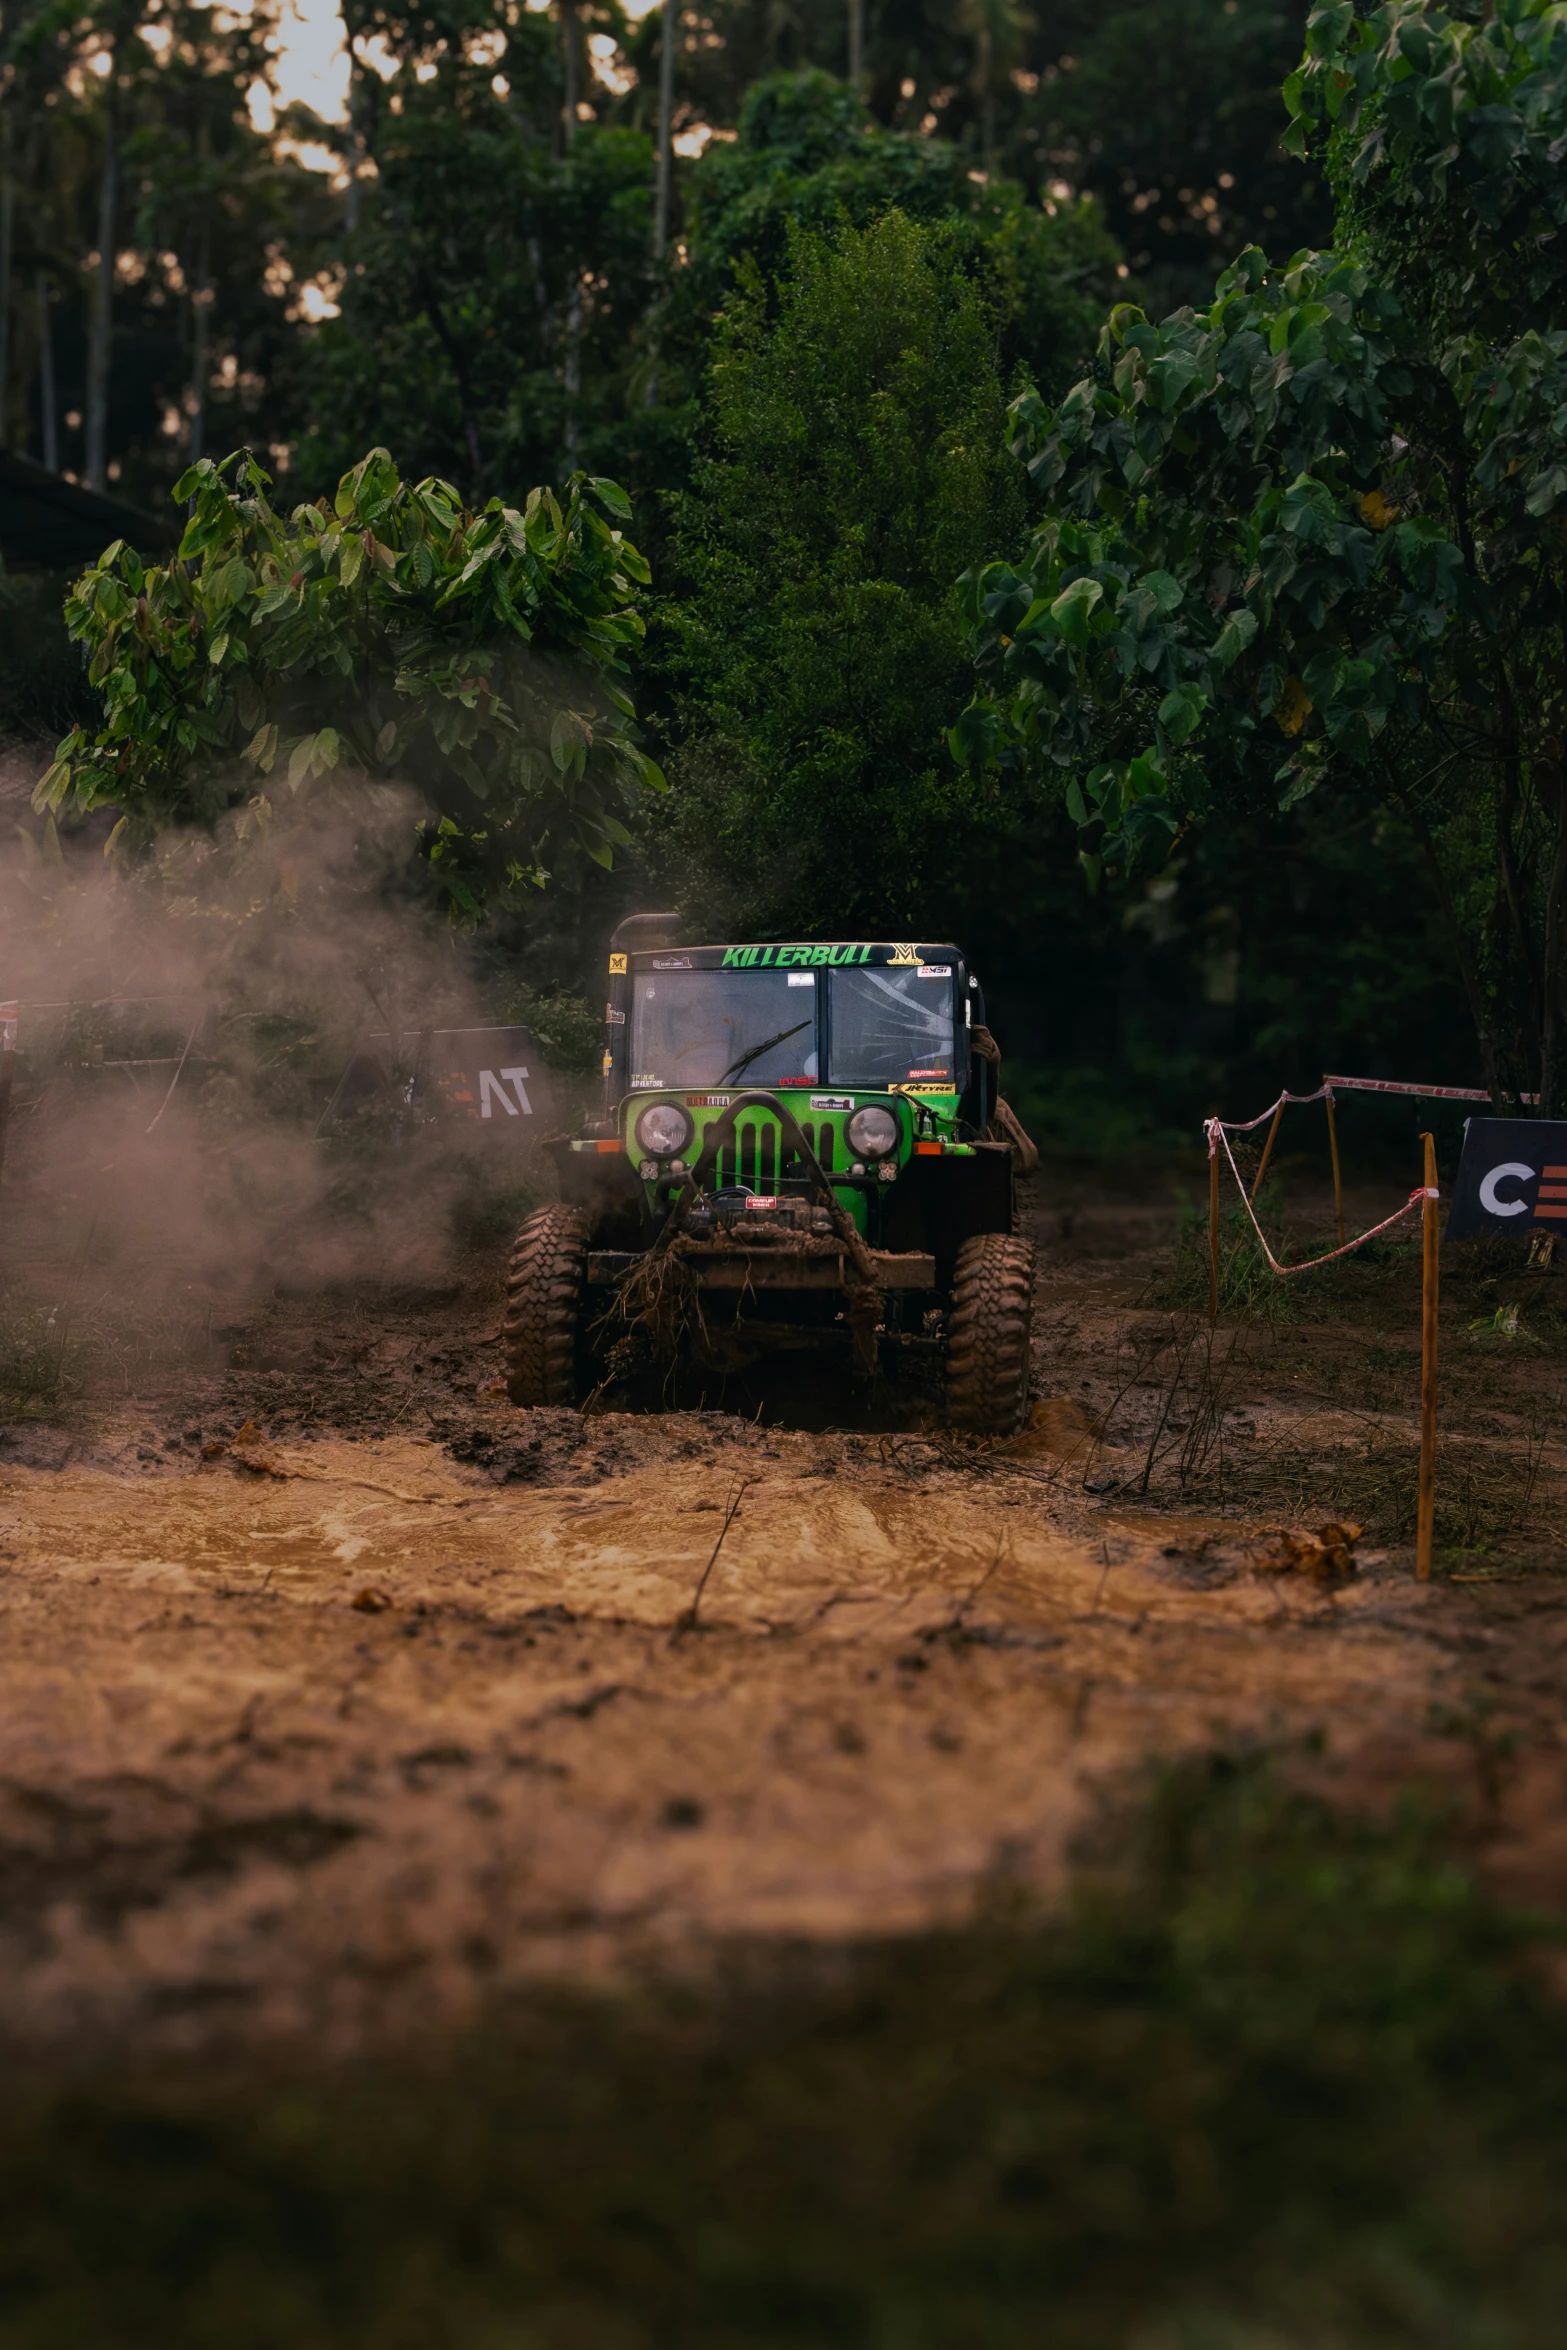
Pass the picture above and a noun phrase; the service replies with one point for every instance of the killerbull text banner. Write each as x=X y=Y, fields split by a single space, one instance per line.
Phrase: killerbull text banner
x=1512 y=1177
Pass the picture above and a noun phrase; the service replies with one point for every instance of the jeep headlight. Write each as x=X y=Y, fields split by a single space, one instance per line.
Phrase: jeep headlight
x=872 y=1132
x=663 y=1130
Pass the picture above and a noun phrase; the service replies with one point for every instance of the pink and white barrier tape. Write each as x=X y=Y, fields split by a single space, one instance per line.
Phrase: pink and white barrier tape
x=1331 y=1085
x=1214 y=1129
x=1245 y=1125
x=1425 y=1093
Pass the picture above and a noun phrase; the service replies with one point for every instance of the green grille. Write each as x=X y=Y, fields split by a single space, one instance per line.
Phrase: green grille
x=755 y=1161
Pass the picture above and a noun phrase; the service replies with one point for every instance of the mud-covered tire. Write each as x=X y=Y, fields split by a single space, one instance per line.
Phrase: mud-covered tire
x=988 y=1334
x=546 y=1284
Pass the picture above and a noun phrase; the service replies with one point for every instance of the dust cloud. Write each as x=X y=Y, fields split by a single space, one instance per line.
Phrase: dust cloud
x=184 y=1022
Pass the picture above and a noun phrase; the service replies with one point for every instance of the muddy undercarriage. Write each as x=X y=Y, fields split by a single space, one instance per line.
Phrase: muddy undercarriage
x=580 y=1318
x=724 y=1303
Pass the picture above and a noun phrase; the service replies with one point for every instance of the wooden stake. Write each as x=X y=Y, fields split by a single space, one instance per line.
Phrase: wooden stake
x=1267 y=1150
x=1430 y=1235
x=1213 y=1227
x=1338 y=1173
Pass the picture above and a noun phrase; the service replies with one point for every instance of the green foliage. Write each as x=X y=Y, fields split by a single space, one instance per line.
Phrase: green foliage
x=1276 y=2076
x=395 y=636
x=568 y=1030
x=806 y=158
x=1204 y=561
x=1316 y=529
x=819 y=648
x=1166 y=112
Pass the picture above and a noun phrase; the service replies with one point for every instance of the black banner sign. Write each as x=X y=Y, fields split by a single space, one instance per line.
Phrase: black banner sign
x=492 y=1075
x=1512 y=1177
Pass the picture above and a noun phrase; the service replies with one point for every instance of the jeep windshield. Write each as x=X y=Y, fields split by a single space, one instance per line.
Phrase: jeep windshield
x=892 y=1024
x=736 y=1028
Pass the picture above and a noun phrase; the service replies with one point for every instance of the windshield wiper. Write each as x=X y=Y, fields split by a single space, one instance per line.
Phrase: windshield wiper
x=738 y=1068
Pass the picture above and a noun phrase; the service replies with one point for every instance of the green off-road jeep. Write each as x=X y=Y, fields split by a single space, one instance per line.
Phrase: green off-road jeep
x=801 y=1146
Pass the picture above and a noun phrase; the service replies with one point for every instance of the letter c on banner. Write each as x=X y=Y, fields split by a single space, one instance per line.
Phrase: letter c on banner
x=1505 y=1207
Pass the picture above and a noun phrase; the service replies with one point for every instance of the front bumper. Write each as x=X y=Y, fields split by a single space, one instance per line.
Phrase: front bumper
x=734 y=1266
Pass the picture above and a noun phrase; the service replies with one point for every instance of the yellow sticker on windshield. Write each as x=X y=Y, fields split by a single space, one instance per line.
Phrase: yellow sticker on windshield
x=617 y=965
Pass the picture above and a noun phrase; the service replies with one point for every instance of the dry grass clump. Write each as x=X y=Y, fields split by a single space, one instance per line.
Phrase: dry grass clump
x=1185 y=1429
x=39 y=1360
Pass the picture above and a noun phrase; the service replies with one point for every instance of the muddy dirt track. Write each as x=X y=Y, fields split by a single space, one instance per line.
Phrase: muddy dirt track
x=335 y=1694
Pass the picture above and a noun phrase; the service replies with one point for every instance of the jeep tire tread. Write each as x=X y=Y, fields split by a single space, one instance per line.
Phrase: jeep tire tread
x=988 y=1334
x=545 y=1285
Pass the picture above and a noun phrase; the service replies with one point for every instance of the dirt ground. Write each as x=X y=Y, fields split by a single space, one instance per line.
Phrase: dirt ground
x=335 y=1694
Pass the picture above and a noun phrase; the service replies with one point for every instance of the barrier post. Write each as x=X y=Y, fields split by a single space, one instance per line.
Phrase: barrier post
x=1338 y=1173
x=1267 y=1152
x=1213 y=1225
x=1430 y=1258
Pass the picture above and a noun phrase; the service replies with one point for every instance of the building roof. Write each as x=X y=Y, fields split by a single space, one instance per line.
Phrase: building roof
x=52 y=524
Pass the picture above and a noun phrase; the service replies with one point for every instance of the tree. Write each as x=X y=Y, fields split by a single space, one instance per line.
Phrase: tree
x=818 y=650
x=1312 y=536
x=496 y=275
x=393 y=637
x=807 y=158
x=151 y=230
x=1168 y=113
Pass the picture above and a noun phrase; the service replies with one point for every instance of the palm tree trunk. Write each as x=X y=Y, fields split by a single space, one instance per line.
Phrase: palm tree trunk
x=48 y=399
x=573 y=337
x=435 y=312
x=568 y=35
x=573 y=366
x=200 y=305
x=102 y=320
x=7 y=217
x=666 y=116
x=856 y=44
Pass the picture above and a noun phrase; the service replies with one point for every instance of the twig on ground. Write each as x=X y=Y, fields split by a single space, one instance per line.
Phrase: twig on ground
x=686 y=1621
